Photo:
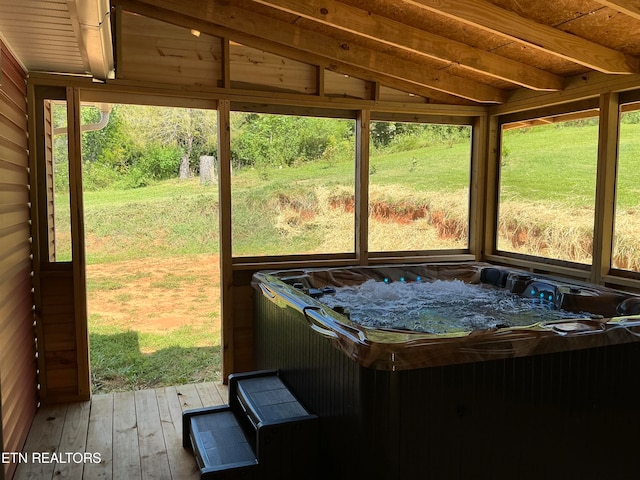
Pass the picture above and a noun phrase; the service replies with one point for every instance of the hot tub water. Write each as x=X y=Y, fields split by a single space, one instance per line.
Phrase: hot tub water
x=441 y=306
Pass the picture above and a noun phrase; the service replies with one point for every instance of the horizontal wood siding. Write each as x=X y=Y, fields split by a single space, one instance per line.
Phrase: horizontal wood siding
x=18 y=381
x=255 y=69
x=338 y=85
x=157 y=52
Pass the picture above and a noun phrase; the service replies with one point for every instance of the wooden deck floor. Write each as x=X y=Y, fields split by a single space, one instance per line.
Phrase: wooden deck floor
x=137 y=435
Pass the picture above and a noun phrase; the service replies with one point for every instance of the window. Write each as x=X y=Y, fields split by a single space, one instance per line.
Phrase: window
x=292 y=185
x=547 y=188
x=419 y=176
x=626 y=251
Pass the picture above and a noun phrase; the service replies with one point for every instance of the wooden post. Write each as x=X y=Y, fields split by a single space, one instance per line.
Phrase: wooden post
x=477 y=187
x=77 y=242
x=363 y=128
x=608 y=133
x=226 y=60
x=224 y=215
x=491 y=194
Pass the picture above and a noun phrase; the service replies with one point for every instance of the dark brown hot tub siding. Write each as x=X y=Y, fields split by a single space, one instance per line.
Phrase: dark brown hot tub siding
x=559 y=415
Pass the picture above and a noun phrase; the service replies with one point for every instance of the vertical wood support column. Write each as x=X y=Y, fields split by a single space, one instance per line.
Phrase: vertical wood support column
x=490 y=197
x=226 y=60
x=608 y=133
x=363 y=127
x=224 y=215
x=320 y=80
x=477 y=187
x=77 y=241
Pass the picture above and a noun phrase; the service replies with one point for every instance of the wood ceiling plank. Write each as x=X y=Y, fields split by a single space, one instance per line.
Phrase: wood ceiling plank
x=631 y=8
x=225 y=14
x=391 y=32
x=491 y=18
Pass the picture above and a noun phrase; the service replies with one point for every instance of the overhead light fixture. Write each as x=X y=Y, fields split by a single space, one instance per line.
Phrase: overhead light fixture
x=195 y=33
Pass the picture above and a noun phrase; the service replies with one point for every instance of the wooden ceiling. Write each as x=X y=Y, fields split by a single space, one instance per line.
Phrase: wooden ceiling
x=471 y=52
x=456 y=52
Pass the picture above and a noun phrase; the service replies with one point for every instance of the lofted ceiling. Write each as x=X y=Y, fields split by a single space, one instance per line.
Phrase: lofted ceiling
x=475 y=52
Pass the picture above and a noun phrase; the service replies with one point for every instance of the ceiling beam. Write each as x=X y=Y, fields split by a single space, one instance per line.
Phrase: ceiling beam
x=225 y=14
x=491 y=18
x=627 y=7
x=390 y=32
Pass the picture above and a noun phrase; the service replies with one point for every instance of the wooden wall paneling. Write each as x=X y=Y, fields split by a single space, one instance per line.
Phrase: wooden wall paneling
x=608 y=135
x=58 y=338
x=224 y=218
x=157 y=51
x=392 y=95
x=256 y=69
x=77 y=243
x=243 y=326
x=18 y=393
x=339 y=85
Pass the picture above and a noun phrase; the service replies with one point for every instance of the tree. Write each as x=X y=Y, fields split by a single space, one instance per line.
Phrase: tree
x=261 y=140
x=194 y=131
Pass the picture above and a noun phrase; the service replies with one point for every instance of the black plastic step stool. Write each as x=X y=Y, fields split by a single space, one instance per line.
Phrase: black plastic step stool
x=263 y=433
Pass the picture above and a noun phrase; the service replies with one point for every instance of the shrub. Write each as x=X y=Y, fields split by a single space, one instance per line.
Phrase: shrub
x=98 y=176
x=159 y=162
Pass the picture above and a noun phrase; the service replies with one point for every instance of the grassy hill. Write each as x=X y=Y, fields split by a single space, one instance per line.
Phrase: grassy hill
x=547 y=197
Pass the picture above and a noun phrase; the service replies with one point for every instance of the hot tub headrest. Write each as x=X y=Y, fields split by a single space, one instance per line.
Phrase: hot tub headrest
x=629 y=306
x=494 y=276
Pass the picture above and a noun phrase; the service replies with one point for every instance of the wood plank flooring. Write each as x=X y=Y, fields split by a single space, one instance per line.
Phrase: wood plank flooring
x=136 y=435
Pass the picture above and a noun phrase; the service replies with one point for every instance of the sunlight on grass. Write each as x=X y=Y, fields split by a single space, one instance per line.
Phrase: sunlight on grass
x=124 y=359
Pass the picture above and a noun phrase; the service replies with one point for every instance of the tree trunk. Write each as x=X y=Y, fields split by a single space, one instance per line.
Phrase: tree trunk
x=185 y=169
x=207 y=170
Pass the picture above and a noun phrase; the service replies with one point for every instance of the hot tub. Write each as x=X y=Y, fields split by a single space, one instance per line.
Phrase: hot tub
x=551 y=399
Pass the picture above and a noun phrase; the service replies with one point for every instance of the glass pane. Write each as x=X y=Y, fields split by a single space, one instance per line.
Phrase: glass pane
x=547 y=189
x=419 y=177
x=293 y=184
x=626 y=250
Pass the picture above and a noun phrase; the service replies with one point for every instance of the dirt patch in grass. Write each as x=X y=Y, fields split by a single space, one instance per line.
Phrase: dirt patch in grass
x=156 y=294
x=154 y=322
